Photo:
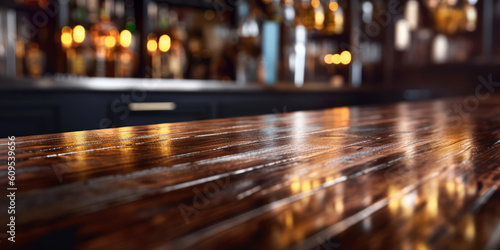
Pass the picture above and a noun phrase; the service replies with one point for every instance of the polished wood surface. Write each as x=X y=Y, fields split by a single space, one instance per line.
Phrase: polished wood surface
x=417 y=175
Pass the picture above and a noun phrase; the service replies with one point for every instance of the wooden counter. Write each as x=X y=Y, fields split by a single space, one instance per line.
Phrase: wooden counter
x=417 y=175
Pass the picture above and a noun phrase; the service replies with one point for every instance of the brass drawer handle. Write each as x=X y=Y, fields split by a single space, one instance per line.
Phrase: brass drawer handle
x=152 y=106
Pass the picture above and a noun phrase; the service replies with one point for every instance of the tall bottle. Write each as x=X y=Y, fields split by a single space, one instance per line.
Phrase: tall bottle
x=177 y=59
x=308 y=13
x=104 y=36
x=249 y=34
x=330 y=8
x=127 y=58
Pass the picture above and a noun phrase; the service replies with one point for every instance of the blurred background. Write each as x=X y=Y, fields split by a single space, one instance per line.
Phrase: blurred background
x=68 y=65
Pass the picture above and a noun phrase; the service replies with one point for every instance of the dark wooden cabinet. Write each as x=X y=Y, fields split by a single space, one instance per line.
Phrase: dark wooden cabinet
x=42 y=112
x=70 y=106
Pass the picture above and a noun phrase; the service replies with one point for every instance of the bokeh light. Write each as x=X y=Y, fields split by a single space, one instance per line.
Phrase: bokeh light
x=110 y=41
x=152 y=45
x=125 y=38
x=164 y=43
x=345 y=57
x=79 y=34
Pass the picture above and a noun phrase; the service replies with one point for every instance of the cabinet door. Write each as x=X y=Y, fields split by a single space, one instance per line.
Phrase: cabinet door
x=22 y=120
x=144 y=113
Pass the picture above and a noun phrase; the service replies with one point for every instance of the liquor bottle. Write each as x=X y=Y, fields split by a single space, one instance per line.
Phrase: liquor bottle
x=104 y=36
x=330 y=8
x=177 y=33
x=319 y=14
x=308 y=16
x=127 y=58
x=288 y=41
x=442 y=17
x=271 y=36
x=126 y=62
x=249 y=36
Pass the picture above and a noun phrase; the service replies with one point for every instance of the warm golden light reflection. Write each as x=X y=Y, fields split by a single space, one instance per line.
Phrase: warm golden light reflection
x=341 y=116
x=339 y=198
x=110 y=41
x=295 y=186
x=78 y=34
x=66 y=38
x=460 y=191
x=306 y=186
x=393 y=203
x=66 y=29
x=152 y=46
x=328 y=59
x=333 y=6
x=315 y=3
x=67 y=167
x=339 y=21
x=421 y=246
x=339 y=204
x=125 y=134
x=432 y=194
x=166 y=145
x=432 y=206
x=470 y=229
x=125 y=38
x=345 y=57
x=316 y=183
x=319 y=18
x=336 y=59
x=451 y=18
x=450 y=187
x=288 y=219
x=164 y=43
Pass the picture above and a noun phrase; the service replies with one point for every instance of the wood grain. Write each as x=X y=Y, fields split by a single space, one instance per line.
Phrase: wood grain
x=417 y=175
